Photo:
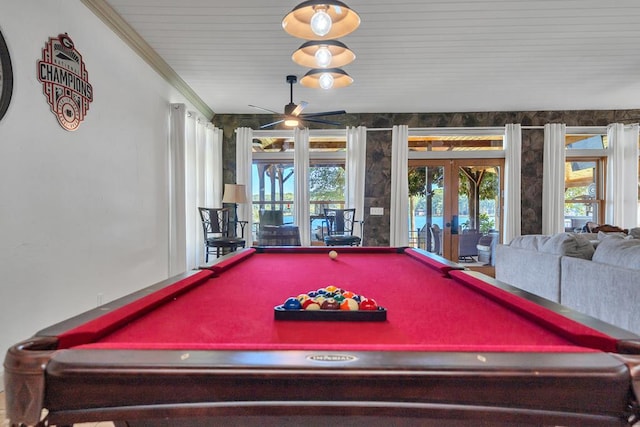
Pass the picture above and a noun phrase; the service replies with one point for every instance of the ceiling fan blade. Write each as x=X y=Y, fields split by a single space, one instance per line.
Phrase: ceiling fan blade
x=299 y=108
x=326 y=122
x=264 y=109
x=271 y=124
x=325 y=113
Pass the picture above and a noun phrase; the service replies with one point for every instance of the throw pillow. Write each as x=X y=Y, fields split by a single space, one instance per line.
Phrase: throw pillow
x=618 y=251
x=569 y=244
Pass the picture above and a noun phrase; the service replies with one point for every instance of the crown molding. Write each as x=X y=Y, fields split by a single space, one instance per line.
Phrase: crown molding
x=114 y=21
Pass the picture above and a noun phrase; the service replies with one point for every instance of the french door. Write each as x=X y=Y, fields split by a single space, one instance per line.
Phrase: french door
x=460 y=205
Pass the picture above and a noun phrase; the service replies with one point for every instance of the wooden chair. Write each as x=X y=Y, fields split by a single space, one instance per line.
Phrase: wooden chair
x=217 y=233
x=340 y=223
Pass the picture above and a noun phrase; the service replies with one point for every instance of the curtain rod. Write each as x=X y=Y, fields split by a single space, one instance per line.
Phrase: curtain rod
x=595 y=129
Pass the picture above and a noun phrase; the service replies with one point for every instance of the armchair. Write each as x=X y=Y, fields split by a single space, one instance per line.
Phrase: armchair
x=467 y=245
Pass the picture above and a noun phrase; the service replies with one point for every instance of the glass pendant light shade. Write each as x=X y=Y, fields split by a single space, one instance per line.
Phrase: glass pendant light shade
x=326 y=78
x=308 y=20
x=314 y=54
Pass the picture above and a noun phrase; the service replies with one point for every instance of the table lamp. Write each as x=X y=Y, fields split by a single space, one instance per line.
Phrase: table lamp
x=234 y=194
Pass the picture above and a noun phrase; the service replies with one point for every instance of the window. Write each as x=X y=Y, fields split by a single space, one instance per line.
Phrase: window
x=584 y=180
x=273 y=176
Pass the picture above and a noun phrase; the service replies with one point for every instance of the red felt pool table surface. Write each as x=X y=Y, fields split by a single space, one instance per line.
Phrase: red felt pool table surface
x=426 y=311
x=442 y=322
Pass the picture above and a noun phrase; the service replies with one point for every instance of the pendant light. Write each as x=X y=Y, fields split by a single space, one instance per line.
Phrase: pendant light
x=321 y=20
x=326 y=78
x=323 y=54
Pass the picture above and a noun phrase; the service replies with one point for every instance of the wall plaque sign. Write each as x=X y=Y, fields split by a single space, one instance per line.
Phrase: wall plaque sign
x=6 y=77
x=65 y=81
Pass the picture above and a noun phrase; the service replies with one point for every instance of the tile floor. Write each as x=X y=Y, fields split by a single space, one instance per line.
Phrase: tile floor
x=5 y=421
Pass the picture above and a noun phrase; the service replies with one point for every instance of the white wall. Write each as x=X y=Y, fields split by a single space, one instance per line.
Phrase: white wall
x=81 y=213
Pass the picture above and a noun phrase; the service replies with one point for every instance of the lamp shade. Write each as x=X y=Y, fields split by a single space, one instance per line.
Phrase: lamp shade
x=329 y=78
x=321 y=20
x=234 y=193
x=335 y=53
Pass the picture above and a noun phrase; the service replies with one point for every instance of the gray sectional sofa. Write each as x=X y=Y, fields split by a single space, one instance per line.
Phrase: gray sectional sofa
x=596 y=274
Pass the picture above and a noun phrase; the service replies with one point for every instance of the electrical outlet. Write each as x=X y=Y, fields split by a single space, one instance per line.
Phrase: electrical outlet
x=376 y=211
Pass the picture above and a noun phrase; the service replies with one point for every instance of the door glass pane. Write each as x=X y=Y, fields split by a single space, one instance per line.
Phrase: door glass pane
x=478 y=209
x=426 y=190
x=326 y=190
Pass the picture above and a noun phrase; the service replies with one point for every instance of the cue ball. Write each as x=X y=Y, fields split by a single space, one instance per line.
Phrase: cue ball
x=333 y=254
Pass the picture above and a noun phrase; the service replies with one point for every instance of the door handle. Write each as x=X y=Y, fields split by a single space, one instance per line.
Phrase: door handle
x=454 y=224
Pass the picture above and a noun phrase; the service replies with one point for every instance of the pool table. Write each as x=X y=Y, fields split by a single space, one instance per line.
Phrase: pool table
x=204 y=349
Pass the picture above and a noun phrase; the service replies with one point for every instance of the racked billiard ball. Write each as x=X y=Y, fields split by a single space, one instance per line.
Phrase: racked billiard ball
x=349 y=304
x=292 y=303
x=339 y=297
x=348 y=294
x=310 y=305
x=320 y=299
x=330 y=304
x=368 y=304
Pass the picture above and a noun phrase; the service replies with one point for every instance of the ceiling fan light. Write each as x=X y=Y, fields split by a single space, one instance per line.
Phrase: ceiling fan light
x=342 y=20
x=326 y=78
x=291 y=122
x=307 y=54
x=323 y=57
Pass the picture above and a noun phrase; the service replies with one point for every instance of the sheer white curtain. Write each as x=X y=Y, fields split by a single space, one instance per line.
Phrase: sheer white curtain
x=200 y=190
x=399 y=186
x=622 y=176
x=553 y=178
x=213 y=162
x=192 y=217
x=244 y=162
x=301 y=176
x=208 y=162
x=177 y=190
x=512 y=197
x=355 y=171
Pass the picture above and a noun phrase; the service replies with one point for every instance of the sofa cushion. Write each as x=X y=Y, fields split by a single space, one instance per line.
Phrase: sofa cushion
x=569 y=244
x=635 y=232
x=618 y=251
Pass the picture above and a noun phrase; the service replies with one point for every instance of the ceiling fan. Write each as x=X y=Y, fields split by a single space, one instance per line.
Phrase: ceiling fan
x=293 y=115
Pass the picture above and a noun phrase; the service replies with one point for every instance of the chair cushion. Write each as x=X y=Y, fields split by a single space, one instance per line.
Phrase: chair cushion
x=224 y=241
x=341 y=240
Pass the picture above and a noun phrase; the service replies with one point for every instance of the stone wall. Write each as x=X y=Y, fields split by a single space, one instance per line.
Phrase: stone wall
x=378 y=177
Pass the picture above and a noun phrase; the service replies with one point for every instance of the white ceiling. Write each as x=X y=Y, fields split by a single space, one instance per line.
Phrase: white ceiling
x=412 y=55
